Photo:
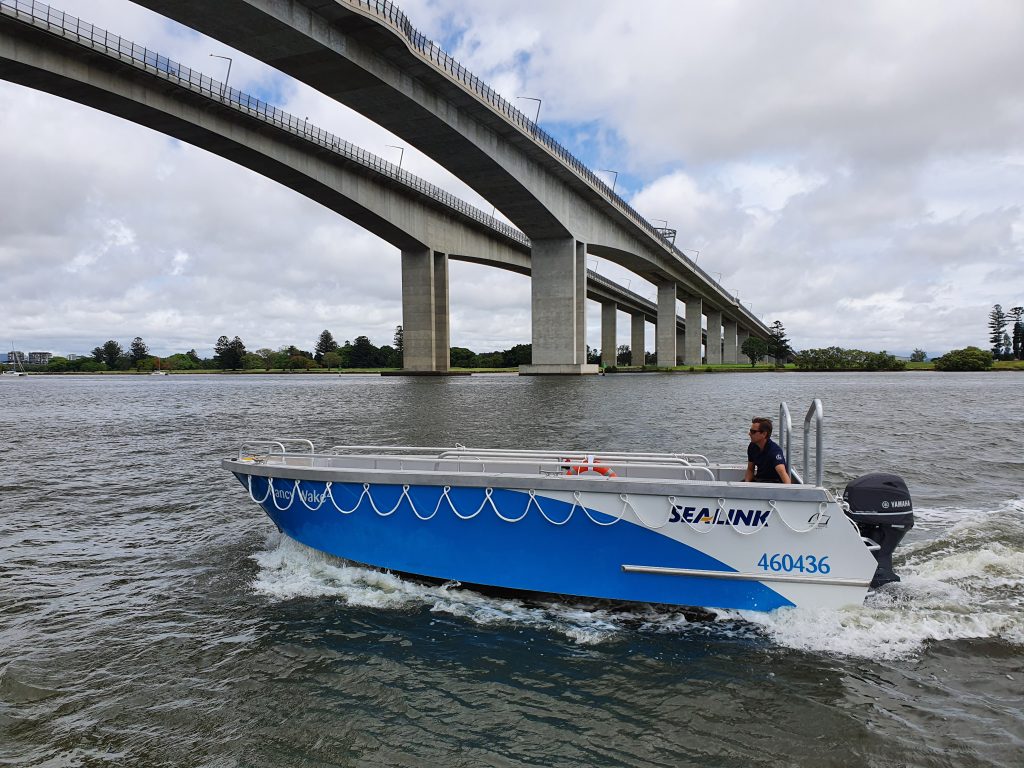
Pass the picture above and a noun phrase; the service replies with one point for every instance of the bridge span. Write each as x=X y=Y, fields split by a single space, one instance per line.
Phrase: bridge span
x=367 y=55
x=53 y=52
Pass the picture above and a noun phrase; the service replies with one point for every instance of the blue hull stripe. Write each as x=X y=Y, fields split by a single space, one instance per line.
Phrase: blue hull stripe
x=581 y=557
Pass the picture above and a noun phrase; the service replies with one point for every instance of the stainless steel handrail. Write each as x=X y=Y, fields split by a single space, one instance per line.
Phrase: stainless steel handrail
x=817 y=413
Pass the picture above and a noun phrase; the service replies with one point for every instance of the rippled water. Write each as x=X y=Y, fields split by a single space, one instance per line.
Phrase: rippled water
x=151 y=615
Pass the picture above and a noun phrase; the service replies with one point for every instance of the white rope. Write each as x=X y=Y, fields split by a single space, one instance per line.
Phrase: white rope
x=822 y=506
x=701 y=529
x=334 y=503
x=273 y=497
x=586 y=509
x=373 y=504
x=626 y=503
x=269 y=490
x=323 y=497
x=511 y=519
x=753 y=529
x=533 y=500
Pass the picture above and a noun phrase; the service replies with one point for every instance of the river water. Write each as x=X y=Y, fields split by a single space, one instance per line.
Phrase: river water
x=151 y=615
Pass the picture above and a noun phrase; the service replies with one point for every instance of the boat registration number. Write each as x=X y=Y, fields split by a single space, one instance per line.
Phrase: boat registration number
x=787 y=563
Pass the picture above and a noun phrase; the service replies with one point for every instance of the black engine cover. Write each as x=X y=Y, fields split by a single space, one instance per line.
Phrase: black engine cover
x=880 y=504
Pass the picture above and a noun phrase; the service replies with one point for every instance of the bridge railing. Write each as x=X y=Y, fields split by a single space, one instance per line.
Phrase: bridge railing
x=41 y=15
x=396 y=18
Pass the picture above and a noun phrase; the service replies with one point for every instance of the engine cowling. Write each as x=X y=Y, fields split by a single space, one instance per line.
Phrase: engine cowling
x=880 y=505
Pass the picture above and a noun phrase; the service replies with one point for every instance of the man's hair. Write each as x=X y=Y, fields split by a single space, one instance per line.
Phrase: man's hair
x=763 y=423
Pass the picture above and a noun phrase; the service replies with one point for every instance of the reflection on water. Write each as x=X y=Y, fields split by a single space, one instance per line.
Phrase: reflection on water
x=151 y=615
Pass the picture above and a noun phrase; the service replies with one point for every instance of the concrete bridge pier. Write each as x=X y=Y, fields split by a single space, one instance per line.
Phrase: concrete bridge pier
x=731 y=352
x=680 y=345
x=558 y=291
x=637 y=340
x=665 y=333
x=609 y=310
x=714 y=342
x=742 y=334
x=694 y=313
x=425 y=323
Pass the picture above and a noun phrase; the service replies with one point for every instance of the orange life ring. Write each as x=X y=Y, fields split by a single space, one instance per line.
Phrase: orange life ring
x=589 y=466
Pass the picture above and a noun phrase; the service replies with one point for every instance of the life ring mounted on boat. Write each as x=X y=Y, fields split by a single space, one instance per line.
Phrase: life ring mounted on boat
x=590 y=464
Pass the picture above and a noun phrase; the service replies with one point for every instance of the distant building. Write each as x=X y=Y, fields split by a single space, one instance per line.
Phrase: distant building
x=14 y=356
x=39 y=358
x=73 y=356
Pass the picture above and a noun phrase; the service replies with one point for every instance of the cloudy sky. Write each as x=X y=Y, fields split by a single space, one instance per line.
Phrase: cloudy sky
x=855 y=170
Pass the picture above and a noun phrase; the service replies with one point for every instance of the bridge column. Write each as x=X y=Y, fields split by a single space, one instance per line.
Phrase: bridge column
x=558 y=292
x=665 y=332
x=442 y=315
x=425 y=311
x=694 y=313
x=714 y=343
x=609 y=310
x=742 y=334
x=637 y=340
x=732 y=350
x=680 y=344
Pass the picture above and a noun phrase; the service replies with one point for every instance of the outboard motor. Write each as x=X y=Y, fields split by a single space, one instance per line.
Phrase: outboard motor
x=880 y=505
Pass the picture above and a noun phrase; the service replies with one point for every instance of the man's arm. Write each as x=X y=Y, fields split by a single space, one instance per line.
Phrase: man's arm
x=748 y=476
x=783 y=474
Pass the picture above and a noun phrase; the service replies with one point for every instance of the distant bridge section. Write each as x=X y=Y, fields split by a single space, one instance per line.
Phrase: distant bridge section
x=367 y=55
x=45 y=49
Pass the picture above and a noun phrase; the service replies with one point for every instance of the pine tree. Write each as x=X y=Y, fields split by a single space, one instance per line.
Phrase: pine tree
x=138 y=350
x=778 y=344
x=997 y=329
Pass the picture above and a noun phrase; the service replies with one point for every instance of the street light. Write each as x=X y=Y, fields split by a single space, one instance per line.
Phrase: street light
x=695 y=251
x=227 y=77
x=614 y=178
x=536 y=118
x=401 y=156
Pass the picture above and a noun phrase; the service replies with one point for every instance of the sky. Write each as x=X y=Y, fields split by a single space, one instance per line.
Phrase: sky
x=853 y=170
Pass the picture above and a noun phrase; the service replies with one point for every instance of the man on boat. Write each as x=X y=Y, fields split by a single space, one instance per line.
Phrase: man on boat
x=765 y=460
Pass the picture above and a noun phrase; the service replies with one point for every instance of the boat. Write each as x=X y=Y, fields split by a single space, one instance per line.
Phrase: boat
x=653 y=528
x=18 y=370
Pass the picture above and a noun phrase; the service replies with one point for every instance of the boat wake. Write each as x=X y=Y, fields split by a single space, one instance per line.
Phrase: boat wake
x=964 y=581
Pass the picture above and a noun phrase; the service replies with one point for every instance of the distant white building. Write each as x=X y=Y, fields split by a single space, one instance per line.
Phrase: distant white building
x=39 y=358
x=73 y=356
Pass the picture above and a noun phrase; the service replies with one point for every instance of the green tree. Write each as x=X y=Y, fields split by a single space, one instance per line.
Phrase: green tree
x=997 y=329
x=463 y=358
x=229 y=354
x=1017 y=343
x=967 y=359
x=623 y=355
x=266 y=356
x=755 y=349
x=364 y=354
x=778 y=345
x=399 y=341
x=332 y=360
x=325 y=344
x=112 y=352
x=138 y=350
x=918 y=356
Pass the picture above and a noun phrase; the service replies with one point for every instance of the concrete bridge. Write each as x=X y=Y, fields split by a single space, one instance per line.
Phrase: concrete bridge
x=367 y=55
x=47 y=50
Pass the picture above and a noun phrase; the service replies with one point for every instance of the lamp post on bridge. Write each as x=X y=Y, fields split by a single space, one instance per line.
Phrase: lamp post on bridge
x=227 y=77
x=615 y=178
x=401 y=156
x=536 y=118
x=696 y=253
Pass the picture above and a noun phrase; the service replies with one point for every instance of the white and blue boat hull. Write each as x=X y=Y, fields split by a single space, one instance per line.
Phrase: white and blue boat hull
x=709 y=544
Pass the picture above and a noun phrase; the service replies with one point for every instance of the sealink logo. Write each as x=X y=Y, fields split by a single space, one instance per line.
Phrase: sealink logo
x=754 y=518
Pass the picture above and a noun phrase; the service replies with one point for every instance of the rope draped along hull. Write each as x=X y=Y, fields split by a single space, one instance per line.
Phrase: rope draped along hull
x=697 y=538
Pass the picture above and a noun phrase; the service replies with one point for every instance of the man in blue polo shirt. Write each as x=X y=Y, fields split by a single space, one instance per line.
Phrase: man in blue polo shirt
x=765 y=460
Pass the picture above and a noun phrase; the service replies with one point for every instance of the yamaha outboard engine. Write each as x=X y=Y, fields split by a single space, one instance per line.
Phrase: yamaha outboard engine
x=880 y=505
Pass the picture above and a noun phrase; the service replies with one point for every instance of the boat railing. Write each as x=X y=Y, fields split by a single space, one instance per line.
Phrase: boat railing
x=260 y=450
x=295 y=452
x=786 y=440
x=816 y=414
